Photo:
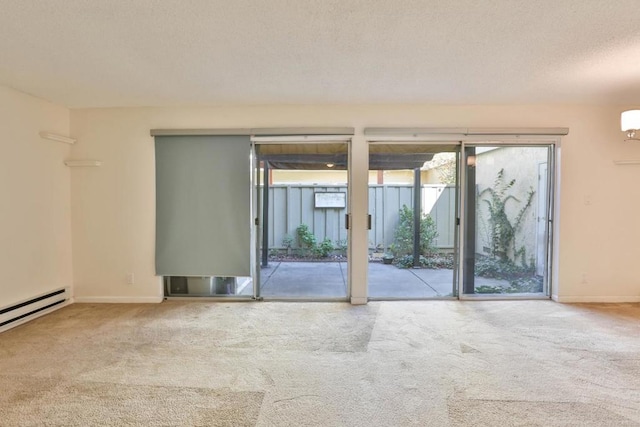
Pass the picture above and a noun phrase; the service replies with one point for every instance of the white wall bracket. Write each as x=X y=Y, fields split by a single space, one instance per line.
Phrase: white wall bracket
x=55 y=137
x=626 y=162
x=82 y=163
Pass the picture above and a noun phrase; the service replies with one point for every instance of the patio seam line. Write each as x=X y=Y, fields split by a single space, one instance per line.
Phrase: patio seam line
x=420 y=279
x=263 y=285
x=344 y=282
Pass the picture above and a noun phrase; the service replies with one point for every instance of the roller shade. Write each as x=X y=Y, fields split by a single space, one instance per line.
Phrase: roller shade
x=203 y=211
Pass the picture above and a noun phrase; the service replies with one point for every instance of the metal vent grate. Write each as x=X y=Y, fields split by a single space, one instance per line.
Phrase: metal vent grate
x=29 y=308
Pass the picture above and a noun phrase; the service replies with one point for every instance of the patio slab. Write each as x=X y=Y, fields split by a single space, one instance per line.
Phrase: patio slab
x=304 y=279
x=329 y=280
x=389 y=281
x=440 y=280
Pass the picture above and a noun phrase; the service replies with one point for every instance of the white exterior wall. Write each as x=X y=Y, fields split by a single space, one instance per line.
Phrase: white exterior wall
x=113 y=207
x=521 y=165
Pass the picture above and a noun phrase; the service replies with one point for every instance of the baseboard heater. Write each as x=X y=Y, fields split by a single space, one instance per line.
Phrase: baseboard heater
x=23 y=311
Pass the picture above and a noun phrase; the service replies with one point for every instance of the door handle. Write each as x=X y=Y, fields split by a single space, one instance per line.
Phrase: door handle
x=347 y=225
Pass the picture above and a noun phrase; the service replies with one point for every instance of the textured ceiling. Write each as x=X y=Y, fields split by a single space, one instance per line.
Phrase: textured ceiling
x=92 y=53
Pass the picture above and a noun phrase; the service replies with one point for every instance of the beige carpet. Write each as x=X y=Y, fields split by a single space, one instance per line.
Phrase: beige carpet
x=436 y=363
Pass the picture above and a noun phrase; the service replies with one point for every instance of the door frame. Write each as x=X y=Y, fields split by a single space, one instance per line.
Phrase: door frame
x=541 y=229
x=289 y=139
x=457 y=214
x=553 y=144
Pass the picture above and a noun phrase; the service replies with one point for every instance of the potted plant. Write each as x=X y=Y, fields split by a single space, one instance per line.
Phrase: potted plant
x=387 y=258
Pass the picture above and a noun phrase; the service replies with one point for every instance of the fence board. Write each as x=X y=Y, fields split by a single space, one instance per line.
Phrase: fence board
x=278 y=216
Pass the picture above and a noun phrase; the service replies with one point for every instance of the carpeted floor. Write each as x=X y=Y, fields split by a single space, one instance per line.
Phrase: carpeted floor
x=430 y=363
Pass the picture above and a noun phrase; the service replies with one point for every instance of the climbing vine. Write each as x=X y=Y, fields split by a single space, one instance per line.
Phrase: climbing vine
x=503 y=230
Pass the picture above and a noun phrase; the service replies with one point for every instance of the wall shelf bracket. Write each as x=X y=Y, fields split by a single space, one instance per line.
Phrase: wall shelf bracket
x=82 y=163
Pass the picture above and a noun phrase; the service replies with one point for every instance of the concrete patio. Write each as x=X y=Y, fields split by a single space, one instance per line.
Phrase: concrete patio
x=329 y=280
x=304 y=280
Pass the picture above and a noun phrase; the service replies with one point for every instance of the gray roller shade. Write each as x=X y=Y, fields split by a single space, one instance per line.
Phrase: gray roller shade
x=203 y=211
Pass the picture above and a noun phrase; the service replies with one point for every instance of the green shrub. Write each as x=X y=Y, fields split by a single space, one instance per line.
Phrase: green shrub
x=306 y=238
x=517 y=286
x=406 y=261
x=433 y=261
x=309 y=243
x=484 y=289
x=436 y=261
x=324 y=249
x=403 y=237
x=496 y=268
x=287 y=241
x=521 y=278
x=526 y=285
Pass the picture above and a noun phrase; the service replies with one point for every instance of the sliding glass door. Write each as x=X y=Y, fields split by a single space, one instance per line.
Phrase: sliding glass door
x=413 y=205
x=507 y=233
x=302 y=205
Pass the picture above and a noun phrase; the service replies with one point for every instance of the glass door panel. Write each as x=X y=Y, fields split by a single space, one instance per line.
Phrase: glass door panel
x=302 y=204
x=506 y=233
x=403 y=179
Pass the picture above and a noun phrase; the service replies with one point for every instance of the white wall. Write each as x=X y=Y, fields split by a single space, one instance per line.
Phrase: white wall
x=35 y=211
x=113 y=206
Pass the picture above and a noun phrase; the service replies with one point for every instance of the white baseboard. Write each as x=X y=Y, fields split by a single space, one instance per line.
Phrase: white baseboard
x=119 y=300
x=358 y=300
x=596 y=299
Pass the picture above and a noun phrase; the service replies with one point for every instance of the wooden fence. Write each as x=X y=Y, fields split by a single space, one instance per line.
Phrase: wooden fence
x=292 y=205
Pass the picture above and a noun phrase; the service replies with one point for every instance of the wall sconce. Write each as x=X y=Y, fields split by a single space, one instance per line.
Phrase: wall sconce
x=630 y=123
x=471 y=161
